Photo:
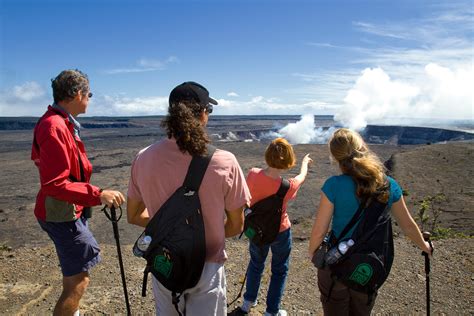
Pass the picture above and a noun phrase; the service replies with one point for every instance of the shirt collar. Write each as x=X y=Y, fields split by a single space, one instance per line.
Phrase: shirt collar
x=76 y=124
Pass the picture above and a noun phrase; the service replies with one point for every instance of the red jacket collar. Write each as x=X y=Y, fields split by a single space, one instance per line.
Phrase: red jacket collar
x=52 y=111
x=57 y=111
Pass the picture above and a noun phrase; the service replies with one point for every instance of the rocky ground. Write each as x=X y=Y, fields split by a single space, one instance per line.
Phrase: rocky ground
x=30 y=280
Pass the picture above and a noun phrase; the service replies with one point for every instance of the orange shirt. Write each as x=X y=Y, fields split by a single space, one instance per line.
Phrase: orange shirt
x=262 y=186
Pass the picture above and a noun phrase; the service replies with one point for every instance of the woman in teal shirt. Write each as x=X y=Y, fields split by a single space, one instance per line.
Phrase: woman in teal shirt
x=362 y=175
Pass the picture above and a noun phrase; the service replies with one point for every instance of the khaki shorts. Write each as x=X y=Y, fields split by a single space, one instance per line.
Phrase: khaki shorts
x=208 y=297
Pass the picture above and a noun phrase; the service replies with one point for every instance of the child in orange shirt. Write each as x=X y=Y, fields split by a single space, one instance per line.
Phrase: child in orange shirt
x=262 y=183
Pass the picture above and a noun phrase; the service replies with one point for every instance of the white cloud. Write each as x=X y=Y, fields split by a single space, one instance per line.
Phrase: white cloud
x=128 y=70
x=379 y=30
x=172 y=59
x=28 y=91
x=144 y=65
x=328 y=45
x=232 y=94
x=423 y=66
x=28 y=99
x=151 y=64
x=260 y=105
x=127 y=106
x=327 y=86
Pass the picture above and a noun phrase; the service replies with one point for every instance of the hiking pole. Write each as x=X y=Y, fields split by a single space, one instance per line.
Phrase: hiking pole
x=113 y=218
x=426 y=237
x=241 y=289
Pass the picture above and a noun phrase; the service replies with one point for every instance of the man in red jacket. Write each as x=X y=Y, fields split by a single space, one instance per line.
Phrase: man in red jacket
x=65 y=196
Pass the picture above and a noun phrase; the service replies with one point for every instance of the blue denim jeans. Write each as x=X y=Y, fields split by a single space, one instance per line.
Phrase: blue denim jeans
x=281 y=249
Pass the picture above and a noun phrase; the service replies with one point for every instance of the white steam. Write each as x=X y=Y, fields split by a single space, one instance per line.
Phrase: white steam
x=375 y=98
x=304 y=132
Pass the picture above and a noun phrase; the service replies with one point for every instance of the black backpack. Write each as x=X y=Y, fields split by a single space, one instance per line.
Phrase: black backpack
x=177 y=252
x=366 y=265
x=262 y=221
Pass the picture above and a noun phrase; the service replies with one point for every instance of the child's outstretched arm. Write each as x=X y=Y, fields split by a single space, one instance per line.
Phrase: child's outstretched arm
x=304 y=168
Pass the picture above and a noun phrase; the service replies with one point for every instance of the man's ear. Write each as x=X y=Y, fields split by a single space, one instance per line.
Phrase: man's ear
x=204 y=117
x=78 y=96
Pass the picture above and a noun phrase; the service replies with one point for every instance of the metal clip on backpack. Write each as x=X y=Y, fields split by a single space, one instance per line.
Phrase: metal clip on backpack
x=177 y=252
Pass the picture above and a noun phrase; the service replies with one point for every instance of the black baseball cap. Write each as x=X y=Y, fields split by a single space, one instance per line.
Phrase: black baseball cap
x=191 y=91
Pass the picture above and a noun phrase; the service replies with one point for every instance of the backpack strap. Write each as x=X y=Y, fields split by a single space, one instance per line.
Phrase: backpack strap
x=353 y=221
x=175 y=300
x=358 y=214
x=192 y=182
x=197 y=169
x=283 y=189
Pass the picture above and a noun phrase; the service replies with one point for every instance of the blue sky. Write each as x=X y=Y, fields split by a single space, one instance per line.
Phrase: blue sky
x=372 y=60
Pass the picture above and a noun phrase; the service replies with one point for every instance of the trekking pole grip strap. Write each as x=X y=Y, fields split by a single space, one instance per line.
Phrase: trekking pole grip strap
x=112 y=216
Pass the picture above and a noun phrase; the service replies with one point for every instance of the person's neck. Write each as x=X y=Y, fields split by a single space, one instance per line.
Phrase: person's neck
x=272 y=172
x=68 y=107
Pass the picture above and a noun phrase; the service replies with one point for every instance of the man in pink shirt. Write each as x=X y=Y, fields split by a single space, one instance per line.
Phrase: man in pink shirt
x=158 y=170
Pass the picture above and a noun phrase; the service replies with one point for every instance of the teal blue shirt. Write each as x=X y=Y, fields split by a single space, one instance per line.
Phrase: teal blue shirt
x=341 y=191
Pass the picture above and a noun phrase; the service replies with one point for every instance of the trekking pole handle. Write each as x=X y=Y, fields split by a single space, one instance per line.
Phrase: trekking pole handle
x=426 y=237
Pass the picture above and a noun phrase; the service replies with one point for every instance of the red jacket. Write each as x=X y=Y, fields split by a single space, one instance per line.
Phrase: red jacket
x=55 y=152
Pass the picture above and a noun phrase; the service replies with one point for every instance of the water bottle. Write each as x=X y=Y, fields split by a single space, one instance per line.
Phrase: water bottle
x=337 y=252
x=247 y=211
x=141 y=245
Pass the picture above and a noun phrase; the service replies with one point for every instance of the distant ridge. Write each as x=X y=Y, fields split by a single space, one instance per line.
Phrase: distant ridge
x=250 y=128
x=410 y=135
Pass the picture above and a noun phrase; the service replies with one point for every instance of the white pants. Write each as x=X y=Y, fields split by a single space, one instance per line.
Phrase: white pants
x=208 y=297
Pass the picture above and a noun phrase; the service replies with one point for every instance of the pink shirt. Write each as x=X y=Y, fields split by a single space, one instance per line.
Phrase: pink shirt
x=158 y=170
x=262 y=186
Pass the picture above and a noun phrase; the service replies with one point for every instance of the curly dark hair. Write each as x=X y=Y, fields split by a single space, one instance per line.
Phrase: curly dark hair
x=68 y=83
x=183 y=123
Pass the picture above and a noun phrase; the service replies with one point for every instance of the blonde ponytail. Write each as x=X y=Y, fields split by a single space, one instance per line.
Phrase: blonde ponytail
x=356 y=160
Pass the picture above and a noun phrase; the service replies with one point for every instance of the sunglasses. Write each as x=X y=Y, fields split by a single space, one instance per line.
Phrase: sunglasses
x=90 y=94
x=209 y=108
